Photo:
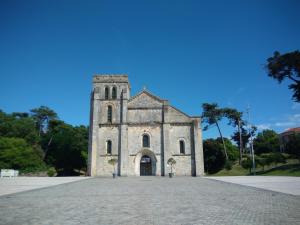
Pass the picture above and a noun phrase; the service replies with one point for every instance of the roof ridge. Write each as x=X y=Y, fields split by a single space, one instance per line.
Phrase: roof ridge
x=148 y=93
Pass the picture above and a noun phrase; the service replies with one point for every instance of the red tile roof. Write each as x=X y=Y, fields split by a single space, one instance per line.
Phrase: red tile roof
x=292 y=130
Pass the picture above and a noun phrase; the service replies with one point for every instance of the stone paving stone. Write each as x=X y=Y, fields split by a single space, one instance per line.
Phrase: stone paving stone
x=284 y=184
x=18 y=184
x=149 y=200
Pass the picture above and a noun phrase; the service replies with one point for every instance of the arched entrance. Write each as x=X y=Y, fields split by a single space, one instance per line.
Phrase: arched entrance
x=145 y=166
x=145 y=163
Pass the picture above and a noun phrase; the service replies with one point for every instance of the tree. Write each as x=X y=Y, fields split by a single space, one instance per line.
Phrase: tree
x=67 y=150
x=42 y=116
x=19 y=126
x=212 y=115
x=266 y=141
x=235 y=119
x=171 y=162
x=262 y=161
x=247 y=164
x=16 y=153
x=286 y=66
x=113 y=162
x=293 y=145
x=245 y=135
x=277 y=157
x=214 y=157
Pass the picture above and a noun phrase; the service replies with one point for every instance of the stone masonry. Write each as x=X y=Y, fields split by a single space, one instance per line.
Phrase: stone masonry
x=142 y=132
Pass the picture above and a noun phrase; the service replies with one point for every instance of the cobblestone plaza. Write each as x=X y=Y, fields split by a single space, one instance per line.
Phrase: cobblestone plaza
x=149 y=200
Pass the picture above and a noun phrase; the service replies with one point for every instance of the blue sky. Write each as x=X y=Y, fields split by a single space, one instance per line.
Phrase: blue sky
x=189 y=52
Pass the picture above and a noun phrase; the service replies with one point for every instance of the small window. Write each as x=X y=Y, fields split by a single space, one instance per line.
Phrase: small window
x=106 y=93
x=146 y=141
x=114 y=93
x=182 y=147
x=109 y=114
x=108 y=147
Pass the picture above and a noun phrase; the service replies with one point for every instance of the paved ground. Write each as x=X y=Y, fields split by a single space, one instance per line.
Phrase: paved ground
x=288 y=185
x=149 y=200
x=18 y=184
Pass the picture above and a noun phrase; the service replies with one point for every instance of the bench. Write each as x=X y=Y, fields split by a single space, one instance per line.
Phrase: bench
x=9 y=173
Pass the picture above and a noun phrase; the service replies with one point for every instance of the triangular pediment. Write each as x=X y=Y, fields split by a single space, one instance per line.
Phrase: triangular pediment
x=175 y=115
x=144 y=100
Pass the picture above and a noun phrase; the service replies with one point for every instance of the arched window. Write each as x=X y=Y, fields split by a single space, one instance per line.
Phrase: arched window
x=182 y=147
x=108 y=147
x=114 y=93
x=106 y=92
x=146 y=141
x=109 y=114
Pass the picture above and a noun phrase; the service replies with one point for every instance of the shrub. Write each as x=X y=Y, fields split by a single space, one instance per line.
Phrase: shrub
x=247 y=164
x=51 y=172
x=278 y=158
x=228 y=165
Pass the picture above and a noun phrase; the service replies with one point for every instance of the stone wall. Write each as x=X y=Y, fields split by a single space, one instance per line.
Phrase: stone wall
x=135 y=137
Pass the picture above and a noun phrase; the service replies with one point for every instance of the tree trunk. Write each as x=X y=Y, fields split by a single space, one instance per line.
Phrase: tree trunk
x=241 y=142
x=47 y=148
x=225 y=151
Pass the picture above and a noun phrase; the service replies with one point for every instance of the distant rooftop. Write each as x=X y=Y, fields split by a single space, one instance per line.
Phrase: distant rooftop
x=291 y=130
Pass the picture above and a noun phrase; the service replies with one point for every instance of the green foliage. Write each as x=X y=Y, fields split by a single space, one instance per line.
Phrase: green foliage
x=211 y=114
x=214 y=156
x=67 y=149
x=112 y=161
x=293 y=145
x=42 y=116
x=32 y=138
x=232 y=150
x=16 y=125
x=266 y=141
x=245 y=135
x=51 y=172
x=171 y=161
x=286 y=66
x=277 y=157
x=247 y=164
x=15 y=153
x=228 y=165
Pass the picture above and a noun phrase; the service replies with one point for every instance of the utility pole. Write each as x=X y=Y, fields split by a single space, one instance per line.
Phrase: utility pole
x=251 y=140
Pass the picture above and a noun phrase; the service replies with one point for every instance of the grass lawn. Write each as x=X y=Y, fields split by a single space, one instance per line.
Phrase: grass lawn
x=284 y=170
x=291 y=168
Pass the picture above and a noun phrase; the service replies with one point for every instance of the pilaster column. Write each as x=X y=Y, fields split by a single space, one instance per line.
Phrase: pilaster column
x=93 y=135
x=199 y=162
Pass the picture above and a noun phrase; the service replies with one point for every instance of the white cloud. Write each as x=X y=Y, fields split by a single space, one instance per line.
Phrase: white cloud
x=263 y=126
x=288 y=121
x=284 y=124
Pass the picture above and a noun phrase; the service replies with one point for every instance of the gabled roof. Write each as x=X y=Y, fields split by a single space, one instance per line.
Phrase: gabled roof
x=147 y=93
x=180 y=111
x=132 y=103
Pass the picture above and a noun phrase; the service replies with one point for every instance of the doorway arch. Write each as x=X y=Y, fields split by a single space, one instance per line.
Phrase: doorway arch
x=145 y=166
x=145 y=163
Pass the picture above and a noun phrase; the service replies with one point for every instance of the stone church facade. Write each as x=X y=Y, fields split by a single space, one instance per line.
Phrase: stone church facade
x=142 y=132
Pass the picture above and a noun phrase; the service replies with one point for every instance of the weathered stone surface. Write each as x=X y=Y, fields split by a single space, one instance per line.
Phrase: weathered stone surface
x=143 y=114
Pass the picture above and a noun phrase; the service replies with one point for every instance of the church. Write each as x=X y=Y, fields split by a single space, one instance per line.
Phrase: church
x=141 y=132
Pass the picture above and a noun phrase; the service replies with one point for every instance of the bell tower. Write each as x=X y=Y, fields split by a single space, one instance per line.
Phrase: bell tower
x=108 y=124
